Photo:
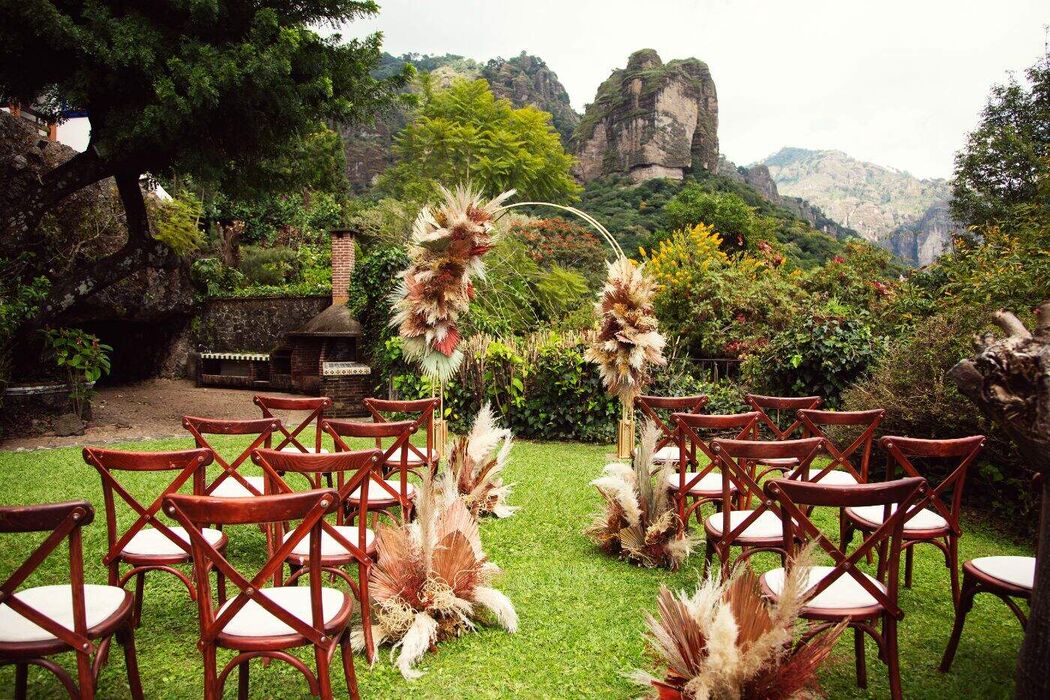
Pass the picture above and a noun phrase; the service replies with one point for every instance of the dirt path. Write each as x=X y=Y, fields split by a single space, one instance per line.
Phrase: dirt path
x=146 y=410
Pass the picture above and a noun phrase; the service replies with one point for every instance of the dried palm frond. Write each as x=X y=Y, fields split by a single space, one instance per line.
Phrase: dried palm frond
x=476 y=465
x=445 y=252
x=431 y=580
x=727 y=641
x=639 y=522
x=628 y=340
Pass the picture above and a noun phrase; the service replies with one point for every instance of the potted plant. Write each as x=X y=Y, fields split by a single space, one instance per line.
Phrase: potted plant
x=83 y=359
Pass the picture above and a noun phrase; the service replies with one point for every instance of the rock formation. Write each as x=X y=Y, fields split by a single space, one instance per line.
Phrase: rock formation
x=650 y=120
x=526 y=80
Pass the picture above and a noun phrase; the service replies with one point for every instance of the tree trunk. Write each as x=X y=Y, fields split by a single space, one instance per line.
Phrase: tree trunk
x=1010 y=381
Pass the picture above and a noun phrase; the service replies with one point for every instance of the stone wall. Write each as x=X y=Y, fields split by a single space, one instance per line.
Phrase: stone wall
x=254 y=324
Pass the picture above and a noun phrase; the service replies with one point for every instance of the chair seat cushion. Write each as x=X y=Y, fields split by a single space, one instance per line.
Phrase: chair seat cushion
x=845 y=593
x=253 y=620
x=329 y=546
x=667 y=453
x=231 y=488
x=412 y=460
x=152 y=542
x=709 y=483
x=378 y=493
x=785 y=462
x=310 y=450
x=836 y=477
x=925 y=519
x=1016 y=571
x=766 y=526
x=56 y=602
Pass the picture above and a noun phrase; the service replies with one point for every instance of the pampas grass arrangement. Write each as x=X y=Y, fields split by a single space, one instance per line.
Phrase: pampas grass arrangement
x=727 y=642
x=431 y=579
x=476 y=465
x=640 y=523
x=447 y=244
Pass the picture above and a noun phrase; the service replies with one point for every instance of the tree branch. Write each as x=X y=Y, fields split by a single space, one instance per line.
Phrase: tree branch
x=1011 y=324
x=1042 y=324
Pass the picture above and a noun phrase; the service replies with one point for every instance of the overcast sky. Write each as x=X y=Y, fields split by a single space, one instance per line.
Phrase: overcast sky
x=897 y=83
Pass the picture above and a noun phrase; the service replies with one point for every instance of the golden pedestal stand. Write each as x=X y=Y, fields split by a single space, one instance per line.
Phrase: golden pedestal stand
x=440 y=424
x=625 y=431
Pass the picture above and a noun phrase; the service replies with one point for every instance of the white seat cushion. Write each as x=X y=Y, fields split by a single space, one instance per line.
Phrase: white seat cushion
x=152 y=542
x=709 y=483
x=310 y=450
x=667 y=453
x=56 y=602
x=836 y=477
x=329 y=546
x=923 y=520
x=253 y=620
x=766 y=526
x=412 y=460
x=231 y=488
x=1017 y=571
x=845 y=592
x=378 y=493
x=785 y=462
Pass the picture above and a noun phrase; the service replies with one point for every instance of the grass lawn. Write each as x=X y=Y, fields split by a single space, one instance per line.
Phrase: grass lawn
x=581 y=612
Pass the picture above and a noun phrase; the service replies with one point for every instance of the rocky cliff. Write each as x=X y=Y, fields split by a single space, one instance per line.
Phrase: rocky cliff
x=526 y=80
x=890 y=207
x=648 y=120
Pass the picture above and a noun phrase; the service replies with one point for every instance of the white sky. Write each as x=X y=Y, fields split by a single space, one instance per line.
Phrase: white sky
x=894 y=82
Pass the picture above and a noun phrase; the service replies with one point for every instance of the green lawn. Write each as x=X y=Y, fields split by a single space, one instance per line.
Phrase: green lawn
x=580 y=612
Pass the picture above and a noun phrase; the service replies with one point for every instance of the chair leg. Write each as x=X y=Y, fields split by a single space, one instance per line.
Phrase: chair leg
x=709 y=553
x=348 y=666
x=21 y=681
x=858 y=651
x=126 y=639
x=953 y=567
x=909 y=556
x=242 y=681
x=889 y=629
x=140 y=589
x=324 y=678
x=366 y=611
x=211 y=683
x=85 y=676
x=220 y=585
x=969 y=590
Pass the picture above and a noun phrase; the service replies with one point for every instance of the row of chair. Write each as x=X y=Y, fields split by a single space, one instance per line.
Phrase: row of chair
x=38 y=622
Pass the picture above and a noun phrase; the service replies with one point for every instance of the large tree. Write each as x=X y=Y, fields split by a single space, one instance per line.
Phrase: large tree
x=213 y=89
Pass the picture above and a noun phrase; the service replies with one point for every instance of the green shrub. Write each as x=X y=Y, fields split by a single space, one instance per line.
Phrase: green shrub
x=268 y=266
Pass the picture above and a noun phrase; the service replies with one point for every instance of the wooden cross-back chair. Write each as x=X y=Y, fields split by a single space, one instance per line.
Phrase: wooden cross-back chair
x=231 y=483
x=849 y=463
x=160 y=546
x=696 y=482
x=423 y=414
x=387 y=493
x=653 y=406
x=39 y=622
x=756 y=529
x=299 y=438
x=937 y=525
x=342 y=545
x=843 y=592
x=779 y=419
x=1008 y=577
x=265 y=622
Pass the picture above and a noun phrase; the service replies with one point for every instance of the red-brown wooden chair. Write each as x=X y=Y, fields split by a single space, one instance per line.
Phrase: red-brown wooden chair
x=261 y=622
x=231 y=483
x=779 y=417
x=1005 y=577
x=161 y=546
x=422 y=415
x=39 y=622
x=659 y=410
x=387 y=493
x=703 y=483
x=307 y=435
x=755 y=529
x=843 y=592
x=342 y=545
x=938 y=525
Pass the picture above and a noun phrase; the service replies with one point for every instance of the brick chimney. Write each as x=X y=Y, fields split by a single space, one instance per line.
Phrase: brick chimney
x=342 y=264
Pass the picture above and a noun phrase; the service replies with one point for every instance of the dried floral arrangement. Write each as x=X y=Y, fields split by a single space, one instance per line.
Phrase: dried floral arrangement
x=728 y=642
x=628 y=340
x=476 y=466
x=447 y=244
x=639 y=522
x=431 y=579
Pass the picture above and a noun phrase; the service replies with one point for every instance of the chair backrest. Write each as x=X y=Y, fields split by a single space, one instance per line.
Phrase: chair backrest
x=423 y=411
x=352 y=471
x=261 y=428
x=694 y=432
x=187 y=465
x=797 y=499
x=736 y=459
x=313 y=407
x=660 y=409
x=957 y=454
x=62 y=521
x=855 y=454
x=780 y=413
x=398 y=432
x=308 y=508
